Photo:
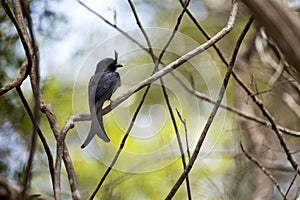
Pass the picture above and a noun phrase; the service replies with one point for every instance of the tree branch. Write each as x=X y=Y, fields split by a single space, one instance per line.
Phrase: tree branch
x=235 y=110
x=215 y=108
x=41 y=135
x=281 y=24
x=62 y=151
x=18 y=80
x=264 y=170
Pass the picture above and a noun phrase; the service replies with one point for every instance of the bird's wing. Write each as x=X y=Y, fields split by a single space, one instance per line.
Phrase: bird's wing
x=107 y=84
x=92 y=92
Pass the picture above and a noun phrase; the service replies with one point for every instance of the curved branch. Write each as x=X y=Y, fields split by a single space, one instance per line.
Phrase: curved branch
x=18 y=80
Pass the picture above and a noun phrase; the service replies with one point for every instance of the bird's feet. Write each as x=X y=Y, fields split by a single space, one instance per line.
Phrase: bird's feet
x=111 y=102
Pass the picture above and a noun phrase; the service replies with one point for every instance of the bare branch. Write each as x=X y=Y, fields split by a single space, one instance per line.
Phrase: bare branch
x=141 y=27
x=41 y=135
x=264 y=170
x=19 y=23
x=167 y=98
x=178 y=138
x=291 y=184
x=47 y=109
x=194 y=20
x=235 y=110
x=62 y=151
x=281 y=24
x=18 y=80
x=71 y=174
x=215 y=108
x=32 y=67
x=289 y=100
x=273 y=125
x=175 y=29
x=110 y=24
x=183 y=121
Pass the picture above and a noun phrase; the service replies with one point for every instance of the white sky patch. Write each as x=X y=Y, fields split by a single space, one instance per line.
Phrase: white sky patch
x=83 y=31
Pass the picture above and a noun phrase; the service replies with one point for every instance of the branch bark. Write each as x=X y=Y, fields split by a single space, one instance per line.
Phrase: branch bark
x=281 y=24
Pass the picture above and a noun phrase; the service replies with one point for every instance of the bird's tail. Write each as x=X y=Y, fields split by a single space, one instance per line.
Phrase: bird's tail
x=101 y=132
x=91 y=134
x=96 y=128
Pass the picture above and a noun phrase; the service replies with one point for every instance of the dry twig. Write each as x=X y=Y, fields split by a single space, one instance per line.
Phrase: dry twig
x=265 y=171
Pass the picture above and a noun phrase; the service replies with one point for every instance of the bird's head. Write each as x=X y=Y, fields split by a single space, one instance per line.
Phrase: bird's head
x=109 y=64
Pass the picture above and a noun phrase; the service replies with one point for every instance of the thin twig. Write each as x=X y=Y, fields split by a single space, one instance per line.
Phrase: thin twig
x=175 y=29
x=18 y=21
x=34 y=74
x=177 y=137
x=41 y=135
x=215 y=108
x=150 y=50
x=264 y=122
x=194 y=20
x=71 y=174
x=47 y=109
x=110 y=24
x=291 y=184
x=265 y=171
x=28 y=45
x=121 y=145
x=183 y=121
x=66 y=157
x=18 y=80
x=273 y=125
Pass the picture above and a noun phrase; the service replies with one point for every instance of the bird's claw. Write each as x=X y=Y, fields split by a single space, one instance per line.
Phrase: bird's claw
x=111 y=102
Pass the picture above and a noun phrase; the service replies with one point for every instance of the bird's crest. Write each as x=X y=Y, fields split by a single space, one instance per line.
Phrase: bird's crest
x=116 y=56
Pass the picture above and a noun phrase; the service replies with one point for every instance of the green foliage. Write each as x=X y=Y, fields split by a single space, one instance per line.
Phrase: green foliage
x=59 y=94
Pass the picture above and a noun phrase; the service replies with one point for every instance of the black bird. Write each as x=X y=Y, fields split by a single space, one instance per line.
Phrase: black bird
x=102 y=85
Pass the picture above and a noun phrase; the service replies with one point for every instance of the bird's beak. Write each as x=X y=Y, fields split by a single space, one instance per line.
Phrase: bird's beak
x=119 y=66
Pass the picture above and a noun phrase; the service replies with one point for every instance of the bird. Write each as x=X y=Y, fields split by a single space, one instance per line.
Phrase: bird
x=102 y=85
